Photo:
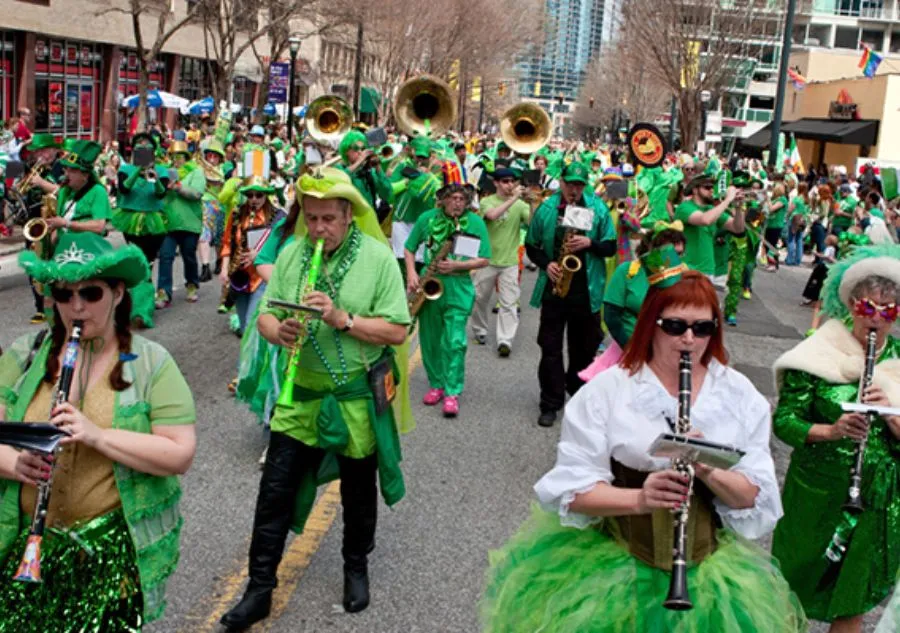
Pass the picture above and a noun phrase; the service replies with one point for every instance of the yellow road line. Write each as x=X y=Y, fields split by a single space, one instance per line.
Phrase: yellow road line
x=297 y=557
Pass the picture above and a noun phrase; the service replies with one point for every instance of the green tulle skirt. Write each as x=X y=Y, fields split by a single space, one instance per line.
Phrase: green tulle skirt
x=553 y=579
x=139 y=222
x=261 y=369
x=90 y=582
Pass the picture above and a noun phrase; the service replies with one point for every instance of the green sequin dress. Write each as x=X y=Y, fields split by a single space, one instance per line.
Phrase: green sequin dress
x=814 y=490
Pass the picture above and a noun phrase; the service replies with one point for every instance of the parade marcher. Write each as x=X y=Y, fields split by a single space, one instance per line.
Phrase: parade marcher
x=417 y=198
x=140 y=216
x=113 y=523
x=742 y=248
x=574 y=316
x=82 y=204
x=442 y=321
x=598 y=555
x=504 y=214
x=212 y=159
x=358 y=161
x=702 y=219
x=860 y=295
x=337 y=425
x=184 y=214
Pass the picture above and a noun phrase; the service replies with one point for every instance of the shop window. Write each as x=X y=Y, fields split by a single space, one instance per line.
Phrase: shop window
x=67 y=88
x=846 y=37
x=872 y=39
x=7 y=75
x=895 y=42
x=818 y=35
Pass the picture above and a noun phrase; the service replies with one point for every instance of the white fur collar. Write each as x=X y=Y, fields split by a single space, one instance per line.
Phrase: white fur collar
x=834 y=355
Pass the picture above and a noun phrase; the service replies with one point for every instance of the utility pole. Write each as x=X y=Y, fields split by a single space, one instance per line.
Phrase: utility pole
x=480 y=108
x=782 y=82
x=673 y=111
x=357 y=75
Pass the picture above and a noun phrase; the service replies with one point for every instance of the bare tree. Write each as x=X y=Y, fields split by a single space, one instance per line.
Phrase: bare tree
x=151 y=19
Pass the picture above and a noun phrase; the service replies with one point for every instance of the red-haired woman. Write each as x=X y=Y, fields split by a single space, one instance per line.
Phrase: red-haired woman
x=596 y=558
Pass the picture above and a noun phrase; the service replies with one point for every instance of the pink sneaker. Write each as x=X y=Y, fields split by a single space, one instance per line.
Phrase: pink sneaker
x=433 y=397
x=451 y=407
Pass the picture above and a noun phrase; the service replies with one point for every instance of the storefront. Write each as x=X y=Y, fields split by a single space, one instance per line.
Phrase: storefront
x=7 y=75
x=129 y=76
x=194 y=81
x=67 y=87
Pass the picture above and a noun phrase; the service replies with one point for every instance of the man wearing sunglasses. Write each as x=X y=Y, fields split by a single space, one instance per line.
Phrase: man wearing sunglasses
x=504 y=214
x=702 y=219
x=574 y=318
x=364 y=169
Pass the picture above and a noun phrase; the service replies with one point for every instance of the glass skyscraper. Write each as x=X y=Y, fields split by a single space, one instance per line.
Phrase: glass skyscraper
x=573 y=35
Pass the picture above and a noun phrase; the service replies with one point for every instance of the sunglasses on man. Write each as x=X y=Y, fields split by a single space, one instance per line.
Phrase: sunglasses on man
x=253 y=195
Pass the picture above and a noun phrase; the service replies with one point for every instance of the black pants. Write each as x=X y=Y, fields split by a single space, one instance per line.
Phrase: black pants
x=149 y=245
x=288 y=461
x=813 y=288
x=581 y=327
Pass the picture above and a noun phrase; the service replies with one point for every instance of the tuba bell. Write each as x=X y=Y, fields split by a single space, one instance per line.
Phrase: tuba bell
x=424 y=106
x=328 y=118
x=526 y=128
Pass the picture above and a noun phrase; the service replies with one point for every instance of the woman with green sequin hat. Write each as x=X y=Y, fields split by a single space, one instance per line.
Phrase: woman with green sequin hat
x=113 y=520
x=814 y=380
x=597 y=554
x=340 y=418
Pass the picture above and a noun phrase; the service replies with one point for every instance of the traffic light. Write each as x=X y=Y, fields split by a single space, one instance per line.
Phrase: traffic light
x=537 y=89
x=453 y=77
x=501 y=89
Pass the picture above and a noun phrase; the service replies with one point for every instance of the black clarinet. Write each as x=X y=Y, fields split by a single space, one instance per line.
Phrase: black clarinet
x=854 y=499
x=30 y=567
x=678 y=598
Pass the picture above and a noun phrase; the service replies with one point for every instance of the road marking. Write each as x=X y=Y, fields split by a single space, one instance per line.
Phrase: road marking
x=297 y=557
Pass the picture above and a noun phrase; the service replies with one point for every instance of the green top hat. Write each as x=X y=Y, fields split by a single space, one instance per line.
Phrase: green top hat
x=575 y=172
x=663 y=267
x=81 y=256
x=213 y=145
x=257 y=183
x=81 y=155
x=421 y=146
x=42 y=141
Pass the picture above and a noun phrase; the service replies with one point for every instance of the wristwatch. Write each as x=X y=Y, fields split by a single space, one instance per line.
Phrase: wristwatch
x=348 y=325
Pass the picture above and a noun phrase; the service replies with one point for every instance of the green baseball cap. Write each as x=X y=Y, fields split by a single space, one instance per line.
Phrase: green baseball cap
x=575 y=172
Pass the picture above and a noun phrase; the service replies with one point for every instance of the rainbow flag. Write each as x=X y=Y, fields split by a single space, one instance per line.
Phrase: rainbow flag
x=869 y=62
x=797 y=79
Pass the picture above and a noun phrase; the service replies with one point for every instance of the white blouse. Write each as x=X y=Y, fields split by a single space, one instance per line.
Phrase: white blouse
x=617 y=415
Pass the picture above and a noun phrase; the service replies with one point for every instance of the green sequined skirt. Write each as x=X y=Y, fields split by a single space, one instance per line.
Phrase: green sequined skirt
x=90 y=582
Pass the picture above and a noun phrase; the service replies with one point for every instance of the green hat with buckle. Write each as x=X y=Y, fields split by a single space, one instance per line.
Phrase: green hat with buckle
x=81 y=155
x=575 y=172
x=82 y=256
x=42 y=141
x=663 y=267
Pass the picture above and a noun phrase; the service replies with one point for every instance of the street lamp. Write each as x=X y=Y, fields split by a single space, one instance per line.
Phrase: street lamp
x=705 y=98
x=294 y=47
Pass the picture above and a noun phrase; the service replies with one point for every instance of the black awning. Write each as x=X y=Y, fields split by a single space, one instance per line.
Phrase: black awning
x=759 y=139
x=831 y=131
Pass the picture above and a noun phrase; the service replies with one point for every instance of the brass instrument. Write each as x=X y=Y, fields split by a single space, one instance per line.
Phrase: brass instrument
x=569 y=265
x=678 y=598
x=424 y=106
x=38 y=169
x=430 y=287
x=328 y=119
x=37 y=232
x=526 y=128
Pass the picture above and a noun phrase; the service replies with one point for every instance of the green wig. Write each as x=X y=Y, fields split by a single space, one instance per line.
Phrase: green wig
x=843 y=276
x=351 y=138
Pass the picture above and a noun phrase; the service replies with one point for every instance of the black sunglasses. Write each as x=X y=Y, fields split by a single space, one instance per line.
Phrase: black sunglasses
x=89 y=294
x=677 y=327
x=255 y=194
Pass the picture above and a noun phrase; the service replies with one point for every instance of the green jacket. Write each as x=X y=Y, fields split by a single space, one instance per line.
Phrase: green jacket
x=150 y=503
x=418 y=198
x=383 y=188
x=542 y=232
x=332 y=436
x=184 y=210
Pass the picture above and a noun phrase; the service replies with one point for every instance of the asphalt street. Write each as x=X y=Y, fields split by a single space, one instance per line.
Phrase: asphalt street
x=468 y=480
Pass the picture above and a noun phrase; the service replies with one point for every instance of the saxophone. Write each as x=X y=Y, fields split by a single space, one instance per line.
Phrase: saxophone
x=430 y=287
x=569 y=265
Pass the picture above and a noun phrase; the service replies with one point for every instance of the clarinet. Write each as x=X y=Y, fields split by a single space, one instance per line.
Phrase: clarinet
x=30 y=567
x=854 y=501
x=678 y=598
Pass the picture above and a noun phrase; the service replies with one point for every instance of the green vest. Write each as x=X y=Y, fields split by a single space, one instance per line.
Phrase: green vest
x=149 y=502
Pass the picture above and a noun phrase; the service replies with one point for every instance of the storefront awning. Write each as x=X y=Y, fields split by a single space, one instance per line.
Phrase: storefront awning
x=369 y=99
x=759 y=139
x=830 y=131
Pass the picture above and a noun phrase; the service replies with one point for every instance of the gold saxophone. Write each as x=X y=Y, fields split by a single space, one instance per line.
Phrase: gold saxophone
x=430 y=287
x=569 y=264
x=37 y=232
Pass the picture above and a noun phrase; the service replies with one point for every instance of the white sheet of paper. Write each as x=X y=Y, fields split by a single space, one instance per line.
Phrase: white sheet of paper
x=466 y=246
x=255 y=235
x=578 y=218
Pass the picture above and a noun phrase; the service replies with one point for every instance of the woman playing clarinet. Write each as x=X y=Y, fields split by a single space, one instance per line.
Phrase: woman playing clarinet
x=111 y=529
x=815 y=379
x=597 y=557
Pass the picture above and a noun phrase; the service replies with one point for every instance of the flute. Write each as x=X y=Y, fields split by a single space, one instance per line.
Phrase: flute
x=678 y=598
x=30 y=567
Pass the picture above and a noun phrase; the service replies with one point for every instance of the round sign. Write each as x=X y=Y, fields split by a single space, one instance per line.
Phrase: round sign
x=646 y=145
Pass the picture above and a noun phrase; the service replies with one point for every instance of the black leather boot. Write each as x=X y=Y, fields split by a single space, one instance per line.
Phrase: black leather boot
x=359 y=498
x=218 y=268
x=274 y=509
x=205 y=273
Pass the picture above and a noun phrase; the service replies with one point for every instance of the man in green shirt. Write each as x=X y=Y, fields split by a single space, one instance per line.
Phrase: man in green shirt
x=442 y=334
x=702 y=220
x=338 y=420
x=845 y=211
x=184 y=212
x=504 y=214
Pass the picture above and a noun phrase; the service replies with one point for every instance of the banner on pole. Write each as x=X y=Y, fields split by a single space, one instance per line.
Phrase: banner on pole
x=279 y=78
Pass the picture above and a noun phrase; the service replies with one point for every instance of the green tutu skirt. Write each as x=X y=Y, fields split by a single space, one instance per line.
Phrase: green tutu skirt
x=90 y=582
x=139 y=222
x=554 y=579
x=261 y=369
